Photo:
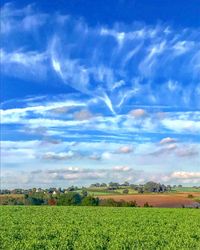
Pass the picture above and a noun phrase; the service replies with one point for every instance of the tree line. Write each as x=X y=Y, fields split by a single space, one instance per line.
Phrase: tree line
x=65 y=199
x=111 y=186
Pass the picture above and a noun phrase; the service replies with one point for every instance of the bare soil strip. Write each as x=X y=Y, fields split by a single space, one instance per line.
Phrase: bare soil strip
x=158 y=200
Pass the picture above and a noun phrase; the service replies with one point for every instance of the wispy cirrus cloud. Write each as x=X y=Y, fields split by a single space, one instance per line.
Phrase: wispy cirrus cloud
x=71 y=114
x=139 y=61
x=20 y=20
x=20 y=62
x=128 y=99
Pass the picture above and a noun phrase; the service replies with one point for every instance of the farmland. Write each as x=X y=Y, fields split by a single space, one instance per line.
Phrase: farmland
x=169 y=200
x=162 y=200
x=46 y=227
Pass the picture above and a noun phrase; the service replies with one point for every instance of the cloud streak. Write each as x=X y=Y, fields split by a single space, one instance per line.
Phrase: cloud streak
x=138 y=62
x=104 y=102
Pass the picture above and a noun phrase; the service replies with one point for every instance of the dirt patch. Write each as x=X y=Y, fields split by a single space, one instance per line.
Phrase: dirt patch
x=157 y=200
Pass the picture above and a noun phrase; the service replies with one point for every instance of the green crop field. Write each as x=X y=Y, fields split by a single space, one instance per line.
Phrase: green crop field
x=46 y=227
x=186 y=189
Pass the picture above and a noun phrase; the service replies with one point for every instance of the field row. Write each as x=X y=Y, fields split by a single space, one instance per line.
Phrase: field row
x=90 y=228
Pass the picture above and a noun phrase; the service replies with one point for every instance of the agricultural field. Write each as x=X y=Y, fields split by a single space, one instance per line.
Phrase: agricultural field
x=17 y=197
x=89 y=228
x=186 y=189
x=99 y=191
x=162 y=200
x=167 y=200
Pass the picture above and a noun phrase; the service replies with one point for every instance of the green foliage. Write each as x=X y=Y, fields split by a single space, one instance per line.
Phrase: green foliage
x=90 y=201
x=35 y=201
x=112 y=203
x=12 y=201
x=84 y=192
x=125 y=191
x=113 y=185
x=69 y=199
x=154 y=187
x=89 y=228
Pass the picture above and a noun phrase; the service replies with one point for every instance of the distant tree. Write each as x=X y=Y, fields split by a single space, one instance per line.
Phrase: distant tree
x=51 y=190
x=72 y=188
x=140 y=190
x=108 y=203
x=103 y=185
x=35 y=198
x=69 y=199
x=52 y=202
x=128 y=203
x=5 y=191
x=133 y=186
x=126 y=184
x=34 y=201
x=95 y=185
x=90 y=201
x=84 y=192
x=133 y=204
x=125 y=191
x=11 y=201
x=113 y=185
x=154 y=187
x=146 y=204
x=169 y=188
x=113 y=203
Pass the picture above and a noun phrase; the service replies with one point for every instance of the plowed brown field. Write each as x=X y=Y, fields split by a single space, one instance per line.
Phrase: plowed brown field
x=158 y=200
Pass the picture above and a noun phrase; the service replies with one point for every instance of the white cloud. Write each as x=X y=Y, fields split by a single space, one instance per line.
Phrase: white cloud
x=185 y=175
x=186 y=151
x=107 y=156
x=20 y=115
x=121 y=168
x=126 y=149
x=103 y=159
x=167 y=140
x=20 y=20
x=83 y=115
x=24 y=63
x=66 y=114
x=138 y=113
x=180 y=126
x=182 y=47
x=58 y=156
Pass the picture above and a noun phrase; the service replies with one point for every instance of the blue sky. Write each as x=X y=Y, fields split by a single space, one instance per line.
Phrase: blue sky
x=96 y=92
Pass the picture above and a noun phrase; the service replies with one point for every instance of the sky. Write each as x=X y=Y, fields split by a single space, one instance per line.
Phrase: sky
x=100 y=91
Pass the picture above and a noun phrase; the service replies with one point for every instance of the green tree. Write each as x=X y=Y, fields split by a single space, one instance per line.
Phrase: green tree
x=125 y=191
x=84 y=192
x=90 y=201
x=69 y=199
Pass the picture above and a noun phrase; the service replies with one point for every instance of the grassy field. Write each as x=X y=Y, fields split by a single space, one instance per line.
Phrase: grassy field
x=106 y=192
x=98 y=228
x=186 y=189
